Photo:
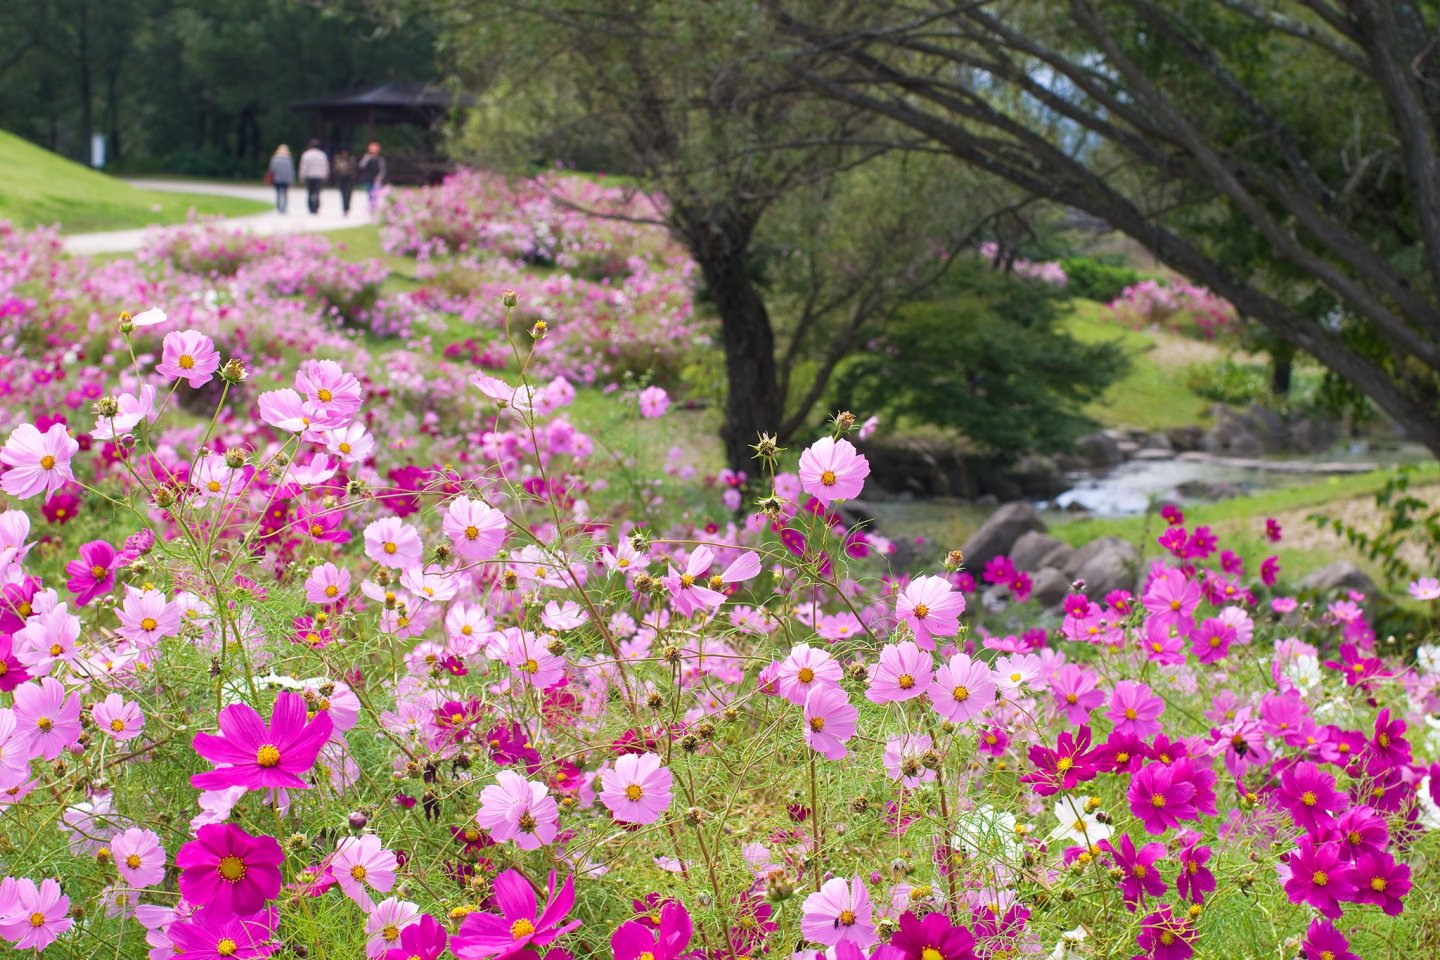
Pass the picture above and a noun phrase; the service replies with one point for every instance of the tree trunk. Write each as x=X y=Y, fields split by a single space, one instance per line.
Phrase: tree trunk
x=112 y=111
x=1282 y=364
x=752 y=401
x=87 y=94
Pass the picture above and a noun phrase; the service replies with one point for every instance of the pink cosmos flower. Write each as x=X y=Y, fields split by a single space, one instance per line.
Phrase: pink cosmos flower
x=255 y=756
x=686 y=594
x=476 y=528
x=527 y=656
x=231 y=872
x=654 y=401
x=520 y=925
x=1135 y=709
x=805 y=669
x=1076 y=692
x=393 y=543
x=138 y=857
x=327 y=584
x=361 y=862
x=1171 y=599
x=1426 y=588
x=839 y=912
x=903 y=673
x=385 y=923
x=962 y=689
x=188 y=355
x=930 y=608
x=38 y=462
x=47 y=716
x=145 y=617
x=829 y=722
x=636 y=789
x=514 y=808
x=331 y=396
x=36 y=916
x=903 y=759
x=832 y=470
x=121 y=719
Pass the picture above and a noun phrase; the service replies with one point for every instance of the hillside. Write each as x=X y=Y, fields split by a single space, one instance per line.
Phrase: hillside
x=40 y=188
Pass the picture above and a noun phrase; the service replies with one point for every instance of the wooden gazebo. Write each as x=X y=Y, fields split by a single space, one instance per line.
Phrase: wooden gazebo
x=353 y=119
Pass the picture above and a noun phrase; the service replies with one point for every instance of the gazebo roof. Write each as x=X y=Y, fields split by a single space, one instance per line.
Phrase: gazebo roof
x=395 y=95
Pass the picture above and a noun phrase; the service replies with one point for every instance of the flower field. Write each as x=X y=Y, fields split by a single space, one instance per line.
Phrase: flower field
x=327 y=630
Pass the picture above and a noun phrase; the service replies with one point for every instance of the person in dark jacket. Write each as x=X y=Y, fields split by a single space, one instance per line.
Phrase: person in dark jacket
x=342 y=168
x=282 y=174
x=372 y=174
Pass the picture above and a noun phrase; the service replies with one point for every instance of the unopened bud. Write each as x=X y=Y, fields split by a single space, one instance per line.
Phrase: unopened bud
x=107 y=407
x=509 y=298
x=845 y=421
x=234 y=371
x=954 y=560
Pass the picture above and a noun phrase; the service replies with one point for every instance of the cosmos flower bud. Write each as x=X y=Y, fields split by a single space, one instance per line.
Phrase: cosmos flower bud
x=234 y=371
x=164 y=498
x=107 y=407
x=694 y=816
x=234 y=458
x=509 y=298
x=358 y=820
x=767 y=448
x=127 y=322
x=844 y=421
x=954 y=560
x=538 y=331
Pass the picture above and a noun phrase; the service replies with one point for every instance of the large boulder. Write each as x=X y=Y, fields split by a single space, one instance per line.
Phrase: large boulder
x=1105 y=564
x=1035 y=550
x=1099 y=450
x=1340 y=575
x=998 y=534
x=1050 y=587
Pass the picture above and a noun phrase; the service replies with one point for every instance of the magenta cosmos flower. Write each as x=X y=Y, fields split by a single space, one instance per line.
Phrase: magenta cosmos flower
x=829 y=722
x=425 y=939
x=934 y=938
x=930 y=608
x=1136 y=709
x=666 y=940
x=1324 y=942
x=229 y=871
x=903 y=673
x=513 y=808
x=238 y=938
x=519 y=925
x=636 y=789
x=1160 y=799
x=962 y=689
x=477 y=529
x=1309 y=794
x=188 y=355
x=36 y=916
x=1164 y=936
x=838 y=912
x=832 y=470
x=38 y=462
x=1319 y=876
x=1139 y=877
x=256 y=757
x=93 y=575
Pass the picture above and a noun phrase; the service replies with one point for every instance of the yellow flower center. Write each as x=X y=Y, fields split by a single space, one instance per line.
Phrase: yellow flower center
x=1140 y=870
x=805 y=675
x=633 y=792
x=390 y=547
x=930 y=953
x=117 y=724
x=44 y=724
x=267 y=756
x=1130 y=713
x=186 y=362
x=1063 y=764
x=961 y=694
x=37 y=919
x=1309 y=799
x=521 y=928
x=148 y=624
x=471 y=532
x=47 y=462
x=905 y=681
x=1377 y=884
x=686 y=580
x=226 y=947
x=846 y=918
x=921 y=610
x=344 y=447
x=1166 y=937
x=358 y=871
x=98 y=572
x=828 y=478
x=324 y=396
x=133 y=862
x=531 y=667
x=231 y=868
x=1320 y=878
x=1157 y=800
x=817 y=724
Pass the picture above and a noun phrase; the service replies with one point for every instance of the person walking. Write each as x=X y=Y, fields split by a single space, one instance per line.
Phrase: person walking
x=314 y=170
x=372 y=174
x=343 y=170
x=281 y=174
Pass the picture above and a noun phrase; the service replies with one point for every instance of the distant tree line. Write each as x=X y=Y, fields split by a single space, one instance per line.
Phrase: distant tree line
x=201 y=86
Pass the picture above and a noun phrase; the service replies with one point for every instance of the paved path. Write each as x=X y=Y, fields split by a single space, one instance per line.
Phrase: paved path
x=270 y=223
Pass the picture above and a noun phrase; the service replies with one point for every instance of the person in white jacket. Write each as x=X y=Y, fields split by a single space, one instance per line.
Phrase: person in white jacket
x=314 y=170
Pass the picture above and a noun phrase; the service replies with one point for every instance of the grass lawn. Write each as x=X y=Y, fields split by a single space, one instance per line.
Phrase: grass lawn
x=40 y=188
x=1153 y=395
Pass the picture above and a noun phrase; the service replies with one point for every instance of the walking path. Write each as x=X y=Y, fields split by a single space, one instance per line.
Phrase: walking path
x=270 y=223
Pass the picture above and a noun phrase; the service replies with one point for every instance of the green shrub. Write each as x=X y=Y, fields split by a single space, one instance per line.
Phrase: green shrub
x=1096 y=280
x=985 y=357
